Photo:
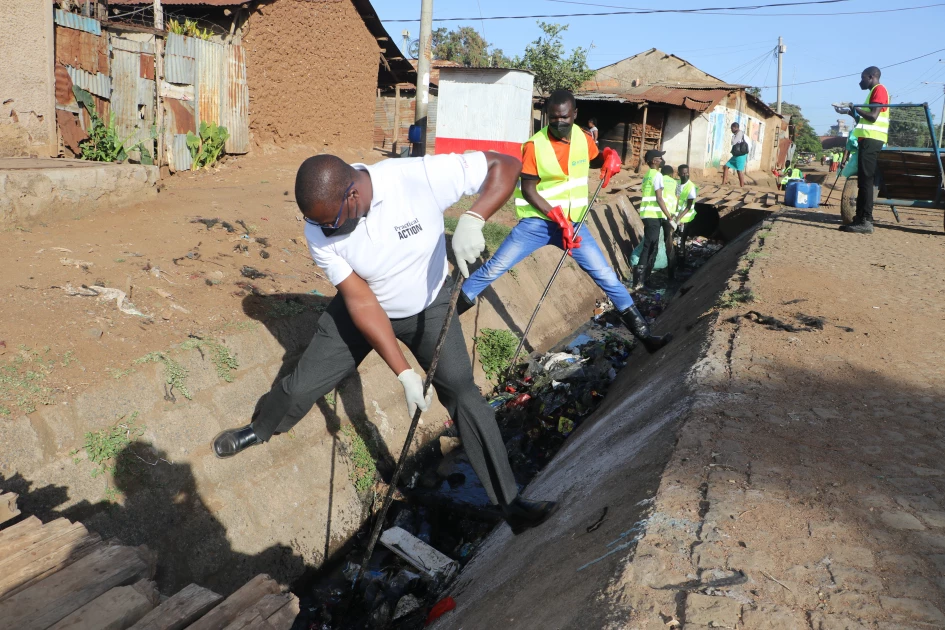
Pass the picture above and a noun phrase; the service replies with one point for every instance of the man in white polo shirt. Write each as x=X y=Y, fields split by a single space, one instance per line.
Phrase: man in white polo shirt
x=378 y=233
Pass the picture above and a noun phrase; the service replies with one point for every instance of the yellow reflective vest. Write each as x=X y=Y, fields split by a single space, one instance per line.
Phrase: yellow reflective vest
x=878 y=130
x=568 y=191
x=687 y=188
x=649 y=206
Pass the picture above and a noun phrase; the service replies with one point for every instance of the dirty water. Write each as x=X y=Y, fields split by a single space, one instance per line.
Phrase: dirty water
x=443 y=504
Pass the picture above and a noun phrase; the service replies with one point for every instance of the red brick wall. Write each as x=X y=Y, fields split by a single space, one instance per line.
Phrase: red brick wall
x=312 y=73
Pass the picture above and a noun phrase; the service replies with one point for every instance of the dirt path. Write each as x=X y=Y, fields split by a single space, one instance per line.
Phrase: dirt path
x=808 y=488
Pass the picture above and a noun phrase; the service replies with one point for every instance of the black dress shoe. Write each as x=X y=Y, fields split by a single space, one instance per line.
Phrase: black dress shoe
x=233 y=441
x=521 y=514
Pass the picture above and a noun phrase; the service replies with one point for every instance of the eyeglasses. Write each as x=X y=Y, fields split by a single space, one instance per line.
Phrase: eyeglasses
x=334 y=224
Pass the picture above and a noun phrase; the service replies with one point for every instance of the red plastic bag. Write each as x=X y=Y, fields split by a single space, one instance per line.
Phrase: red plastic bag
x=440 y=608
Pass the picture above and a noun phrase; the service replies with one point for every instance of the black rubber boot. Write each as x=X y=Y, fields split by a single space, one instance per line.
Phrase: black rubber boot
x=522 y=514
x=637 y=281
x=464 y=303
x=863 y=227
x=233 y=441
x=633 y=320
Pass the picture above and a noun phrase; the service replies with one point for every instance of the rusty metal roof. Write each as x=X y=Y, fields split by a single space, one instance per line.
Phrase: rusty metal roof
x=696 y=99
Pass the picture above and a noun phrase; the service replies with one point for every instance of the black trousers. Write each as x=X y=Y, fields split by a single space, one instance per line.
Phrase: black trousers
x=867 y=156
x=651 y=245
x=337 y=350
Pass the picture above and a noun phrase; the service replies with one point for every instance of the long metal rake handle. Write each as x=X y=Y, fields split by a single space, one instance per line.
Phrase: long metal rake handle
x=427 y=382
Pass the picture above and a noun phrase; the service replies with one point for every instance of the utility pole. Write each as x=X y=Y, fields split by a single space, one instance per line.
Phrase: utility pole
x=781 y=50
x=159 y=157
x=424 y=59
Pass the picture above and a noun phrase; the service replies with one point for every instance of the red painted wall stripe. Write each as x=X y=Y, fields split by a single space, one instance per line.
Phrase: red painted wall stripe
x=461 y=145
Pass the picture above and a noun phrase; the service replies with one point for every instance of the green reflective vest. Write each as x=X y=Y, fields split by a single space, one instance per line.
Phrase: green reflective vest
x=794 y=174
x=568 y=191
x=670 y=194
x=688 y=187
x=649 y=206
x=878 y=130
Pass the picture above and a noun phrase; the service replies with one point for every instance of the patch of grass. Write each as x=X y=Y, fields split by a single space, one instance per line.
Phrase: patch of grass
x=330 y=398
x=118 y=374
x=174 y=372
x=103 y=446
x=224 y=362
x=513 y=272
x=119 y=260
x=241 y=326
x=495 y=349
x=22 y=380
x=363 y=470
x=731 y=299
x=68 y=358
x=764 y=234
x=755 y=255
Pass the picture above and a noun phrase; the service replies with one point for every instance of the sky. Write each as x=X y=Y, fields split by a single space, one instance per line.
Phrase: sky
x=735 y=48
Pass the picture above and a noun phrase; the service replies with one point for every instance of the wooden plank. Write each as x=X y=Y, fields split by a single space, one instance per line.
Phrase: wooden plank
x=64 y=592
x=633 y=218
x=181 y=610
x=247 y=595
x=115 y=610
x=28 y=532
x=283 y=618
x=252 y=622
x=8 y=509
x=44 y=558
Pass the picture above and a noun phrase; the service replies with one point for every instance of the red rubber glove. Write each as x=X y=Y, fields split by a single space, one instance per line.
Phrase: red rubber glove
x=568 y=240
x=611 y=165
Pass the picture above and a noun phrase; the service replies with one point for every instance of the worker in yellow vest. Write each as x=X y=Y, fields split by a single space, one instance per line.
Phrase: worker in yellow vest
x=655 y=214
x=871 y=132
x=551 y=199
x=687 y=211
x=670 y=188
x=788 y=174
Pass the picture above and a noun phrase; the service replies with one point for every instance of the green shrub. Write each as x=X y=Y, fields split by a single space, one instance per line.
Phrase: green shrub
x=207 y=145
x=495 y=349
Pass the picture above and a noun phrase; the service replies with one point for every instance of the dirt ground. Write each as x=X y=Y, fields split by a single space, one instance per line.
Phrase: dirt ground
x=808 y=490
x=185 y=278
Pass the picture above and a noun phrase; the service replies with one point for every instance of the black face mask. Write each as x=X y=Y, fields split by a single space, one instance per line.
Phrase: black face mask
x=345 y=228
x=560 y=130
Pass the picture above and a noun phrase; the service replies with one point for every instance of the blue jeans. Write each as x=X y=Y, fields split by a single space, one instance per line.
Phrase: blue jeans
x=533 y=233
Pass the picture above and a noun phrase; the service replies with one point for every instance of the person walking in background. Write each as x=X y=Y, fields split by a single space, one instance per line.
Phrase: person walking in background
x=551 y=199
x=594 y=131
x=871 y=132
x=739 y=159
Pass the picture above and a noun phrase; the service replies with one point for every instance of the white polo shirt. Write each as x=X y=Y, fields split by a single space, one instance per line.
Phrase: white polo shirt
x=399 y=248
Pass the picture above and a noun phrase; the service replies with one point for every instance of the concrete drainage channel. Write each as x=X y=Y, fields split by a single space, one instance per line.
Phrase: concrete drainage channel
x=578 y=397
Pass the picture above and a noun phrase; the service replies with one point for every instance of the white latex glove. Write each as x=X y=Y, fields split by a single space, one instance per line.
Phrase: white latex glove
x=413 y=391
x=673 y=224
x=468 y=242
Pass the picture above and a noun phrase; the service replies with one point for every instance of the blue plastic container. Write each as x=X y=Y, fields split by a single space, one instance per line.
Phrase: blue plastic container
x=813 y=200
x=414 y=133
x=798 y=194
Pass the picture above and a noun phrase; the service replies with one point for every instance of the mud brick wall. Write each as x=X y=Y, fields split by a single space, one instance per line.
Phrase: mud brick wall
x=312 y=73
x=27 y=114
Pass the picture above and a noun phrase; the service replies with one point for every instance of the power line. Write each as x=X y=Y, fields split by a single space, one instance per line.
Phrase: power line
x=856 y=74
x=758 y=6
x=721 y=11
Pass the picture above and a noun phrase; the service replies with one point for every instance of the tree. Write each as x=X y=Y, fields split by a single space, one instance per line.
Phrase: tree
x=755 y=91
x=908 y=128
x=467 y=47
x=804 y=137
x=545 y=57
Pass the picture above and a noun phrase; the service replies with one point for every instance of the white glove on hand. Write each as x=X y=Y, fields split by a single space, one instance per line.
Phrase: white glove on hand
x=673 y=224
x=413 y=391
x=468 y=242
